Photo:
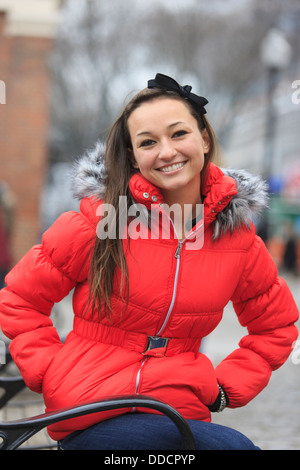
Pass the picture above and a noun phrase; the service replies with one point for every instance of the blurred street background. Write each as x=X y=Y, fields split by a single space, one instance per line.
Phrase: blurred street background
x=67 y=67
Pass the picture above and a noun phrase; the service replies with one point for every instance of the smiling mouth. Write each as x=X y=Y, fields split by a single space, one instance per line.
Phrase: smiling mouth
x=173 y=167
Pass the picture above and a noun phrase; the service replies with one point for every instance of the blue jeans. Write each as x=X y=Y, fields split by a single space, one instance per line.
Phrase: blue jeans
x=142 y=431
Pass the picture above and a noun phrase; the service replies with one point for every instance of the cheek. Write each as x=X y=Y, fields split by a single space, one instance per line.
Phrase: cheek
x=144 y=162
x=196 y=151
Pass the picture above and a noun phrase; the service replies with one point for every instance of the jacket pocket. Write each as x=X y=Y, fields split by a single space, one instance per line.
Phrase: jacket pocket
x=206 y=386
x=179 y=376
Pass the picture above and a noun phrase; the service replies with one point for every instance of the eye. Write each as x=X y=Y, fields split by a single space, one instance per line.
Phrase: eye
x=179 y=133
x=147 y=143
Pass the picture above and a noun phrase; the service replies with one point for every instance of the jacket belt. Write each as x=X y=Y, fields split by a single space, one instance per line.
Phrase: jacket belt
x=134 y=341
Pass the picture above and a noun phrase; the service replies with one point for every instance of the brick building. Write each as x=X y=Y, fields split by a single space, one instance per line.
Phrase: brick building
x=27 y=31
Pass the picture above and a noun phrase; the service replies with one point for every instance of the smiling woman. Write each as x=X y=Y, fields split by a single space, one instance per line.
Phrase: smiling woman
x=142 y=304
x=169 y=148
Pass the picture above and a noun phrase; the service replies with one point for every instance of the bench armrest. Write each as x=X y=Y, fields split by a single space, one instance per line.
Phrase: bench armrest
x=14 y=433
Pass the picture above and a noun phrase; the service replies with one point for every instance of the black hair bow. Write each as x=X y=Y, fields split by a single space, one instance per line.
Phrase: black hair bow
x=168 y=83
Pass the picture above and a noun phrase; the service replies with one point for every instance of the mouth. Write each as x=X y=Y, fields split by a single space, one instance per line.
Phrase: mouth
x=169 y=168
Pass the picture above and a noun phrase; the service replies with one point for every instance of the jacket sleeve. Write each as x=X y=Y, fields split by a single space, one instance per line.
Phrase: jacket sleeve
x=263 y=304
x=44 y=276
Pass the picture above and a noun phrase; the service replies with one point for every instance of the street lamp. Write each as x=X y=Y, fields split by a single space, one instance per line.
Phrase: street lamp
x=275 y=55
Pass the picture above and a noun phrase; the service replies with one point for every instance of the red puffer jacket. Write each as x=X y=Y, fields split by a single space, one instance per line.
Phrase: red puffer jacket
x=175 y=293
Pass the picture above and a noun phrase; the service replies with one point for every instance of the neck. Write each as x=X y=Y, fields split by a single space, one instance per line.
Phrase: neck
x=185 y=201
x=187 y=195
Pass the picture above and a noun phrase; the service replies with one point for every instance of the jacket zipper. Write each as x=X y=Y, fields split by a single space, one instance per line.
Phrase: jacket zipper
x=137 y=380
x=177 y=256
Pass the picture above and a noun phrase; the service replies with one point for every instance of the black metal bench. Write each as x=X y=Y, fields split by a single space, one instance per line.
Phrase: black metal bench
x=14 y=433
x=9 y=387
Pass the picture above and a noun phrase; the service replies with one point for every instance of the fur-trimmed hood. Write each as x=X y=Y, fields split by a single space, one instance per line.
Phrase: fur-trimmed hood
x=89 y=176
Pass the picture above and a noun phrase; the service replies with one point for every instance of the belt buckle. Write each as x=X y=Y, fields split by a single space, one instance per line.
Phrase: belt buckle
x=156 y=342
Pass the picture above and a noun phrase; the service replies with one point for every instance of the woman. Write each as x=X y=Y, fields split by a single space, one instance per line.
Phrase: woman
x=146 y=294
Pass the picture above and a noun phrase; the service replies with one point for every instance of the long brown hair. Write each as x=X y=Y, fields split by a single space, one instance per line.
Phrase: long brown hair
x=108 y=253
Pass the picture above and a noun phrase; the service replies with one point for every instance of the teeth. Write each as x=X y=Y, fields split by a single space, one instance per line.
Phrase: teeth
x=172 y=167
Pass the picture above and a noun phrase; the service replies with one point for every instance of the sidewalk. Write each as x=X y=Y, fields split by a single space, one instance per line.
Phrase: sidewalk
x=27 y=404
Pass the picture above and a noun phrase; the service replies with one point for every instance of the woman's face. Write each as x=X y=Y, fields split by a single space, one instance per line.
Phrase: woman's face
x=167 y=144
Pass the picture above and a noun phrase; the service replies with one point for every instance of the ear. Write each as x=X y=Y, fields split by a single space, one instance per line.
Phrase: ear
x=206 y=141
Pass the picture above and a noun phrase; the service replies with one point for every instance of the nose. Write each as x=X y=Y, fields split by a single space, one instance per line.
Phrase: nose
x=167 y=150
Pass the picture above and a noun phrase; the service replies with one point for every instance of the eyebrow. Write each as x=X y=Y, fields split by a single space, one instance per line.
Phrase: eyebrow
x=169 y=127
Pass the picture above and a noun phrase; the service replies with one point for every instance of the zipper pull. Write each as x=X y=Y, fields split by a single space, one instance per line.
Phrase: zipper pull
x=178 y=250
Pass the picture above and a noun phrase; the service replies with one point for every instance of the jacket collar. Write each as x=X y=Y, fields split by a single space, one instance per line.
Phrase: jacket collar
x=217 y=193
x=232 y=198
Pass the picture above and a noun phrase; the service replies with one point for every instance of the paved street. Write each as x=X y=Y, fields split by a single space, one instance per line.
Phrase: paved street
x=271 y=420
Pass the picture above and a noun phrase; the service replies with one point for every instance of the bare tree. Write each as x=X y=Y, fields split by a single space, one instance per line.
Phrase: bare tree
x=91 y=53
